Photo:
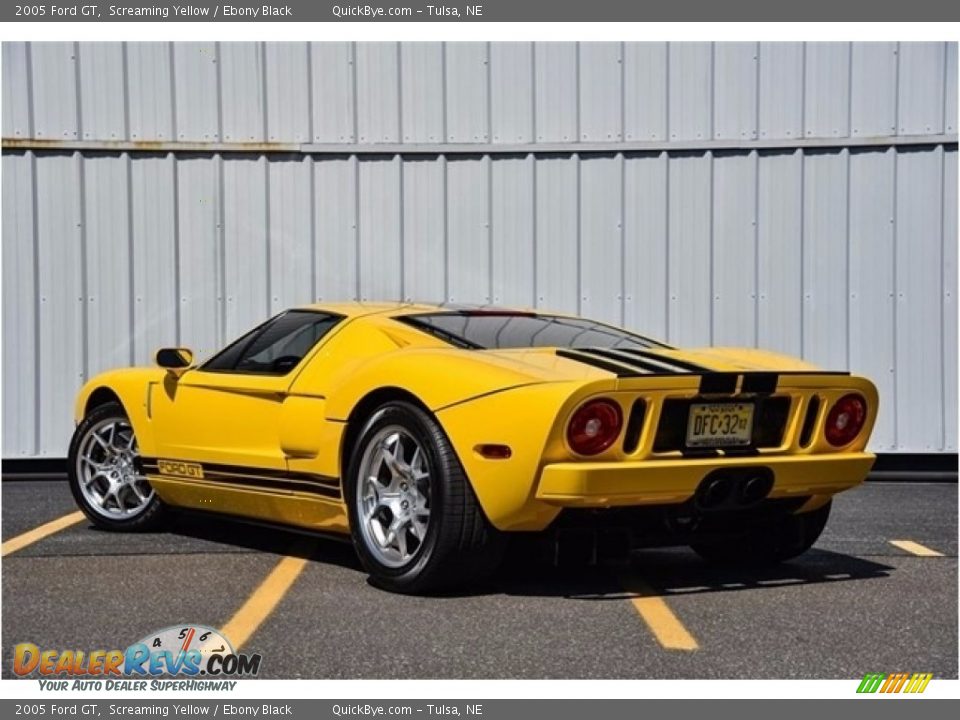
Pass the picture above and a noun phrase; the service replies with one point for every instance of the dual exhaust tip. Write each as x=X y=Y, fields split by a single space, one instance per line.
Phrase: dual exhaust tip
x=728 y=490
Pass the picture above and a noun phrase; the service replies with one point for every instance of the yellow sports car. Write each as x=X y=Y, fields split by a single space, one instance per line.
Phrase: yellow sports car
x=430 y=434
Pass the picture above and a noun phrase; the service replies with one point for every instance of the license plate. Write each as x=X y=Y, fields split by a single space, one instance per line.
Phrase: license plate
x=720 y=425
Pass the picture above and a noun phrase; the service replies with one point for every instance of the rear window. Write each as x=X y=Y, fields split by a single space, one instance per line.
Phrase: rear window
x=484 y=330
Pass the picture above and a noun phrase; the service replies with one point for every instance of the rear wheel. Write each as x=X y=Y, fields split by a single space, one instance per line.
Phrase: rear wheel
x=774 y=541
x=105 y=474
x=414 y=519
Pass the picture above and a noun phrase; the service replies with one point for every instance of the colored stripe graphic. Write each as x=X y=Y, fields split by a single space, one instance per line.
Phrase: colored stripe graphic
x=894 y=683
x=923 y=685
x=260 y=478
x=901 y=679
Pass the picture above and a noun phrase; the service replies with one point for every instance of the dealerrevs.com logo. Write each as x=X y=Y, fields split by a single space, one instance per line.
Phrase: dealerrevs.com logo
x=180 y=657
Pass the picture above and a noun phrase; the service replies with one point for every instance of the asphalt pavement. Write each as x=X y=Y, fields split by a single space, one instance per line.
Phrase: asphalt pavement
x=856 y=603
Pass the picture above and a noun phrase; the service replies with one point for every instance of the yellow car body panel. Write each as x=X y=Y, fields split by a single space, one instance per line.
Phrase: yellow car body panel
x=573 y=484
x=274 y=447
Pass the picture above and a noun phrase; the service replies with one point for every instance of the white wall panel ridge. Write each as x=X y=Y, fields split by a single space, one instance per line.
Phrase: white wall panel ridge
x=796 y=197
x=274 y=96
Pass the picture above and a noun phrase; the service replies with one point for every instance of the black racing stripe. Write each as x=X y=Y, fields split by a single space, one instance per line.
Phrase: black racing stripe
x=294 y=483
x=269 y=473
x=256 y=477
x=598 y=362
x=646 y=368
x=761 y=383
x=718 y=383
x=322 y=479
x=256 y=483
x=824 y=373
x=668 y=362
x=265 y=483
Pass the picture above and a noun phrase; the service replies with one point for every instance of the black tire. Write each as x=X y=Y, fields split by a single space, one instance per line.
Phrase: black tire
x=148 y=518
x=460 y=546
x=772 y=542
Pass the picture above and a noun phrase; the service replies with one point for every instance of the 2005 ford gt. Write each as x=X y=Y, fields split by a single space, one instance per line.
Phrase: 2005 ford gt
x=430 y=434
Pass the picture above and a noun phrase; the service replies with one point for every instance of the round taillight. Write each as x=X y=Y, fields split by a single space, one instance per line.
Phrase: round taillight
x=845 y=420
x=594 y=427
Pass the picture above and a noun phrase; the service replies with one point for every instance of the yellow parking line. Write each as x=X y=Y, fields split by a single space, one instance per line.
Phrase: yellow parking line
x=267 y=596
x=663 y=623
x=915 y=548
x=39 y=533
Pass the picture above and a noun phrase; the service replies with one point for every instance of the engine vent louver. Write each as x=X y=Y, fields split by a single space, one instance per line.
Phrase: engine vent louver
x=638 y=413
x=809 y=421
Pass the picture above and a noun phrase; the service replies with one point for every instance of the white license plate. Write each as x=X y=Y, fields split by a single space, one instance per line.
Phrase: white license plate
x=720 y=425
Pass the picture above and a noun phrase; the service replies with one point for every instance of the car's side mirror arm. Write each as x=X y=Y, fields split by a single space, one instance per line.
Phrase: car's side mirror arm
x=174 y=360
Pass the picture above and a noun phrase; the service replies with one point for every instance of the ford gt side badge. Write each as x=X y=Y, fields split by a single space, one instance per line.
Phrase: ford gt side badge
x=181 y=469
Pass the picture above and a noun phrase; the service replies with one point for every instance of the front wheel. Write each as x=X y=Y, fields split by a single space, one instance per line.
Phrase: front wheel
x=105 y=474
x=774 y=541
x=414 y=519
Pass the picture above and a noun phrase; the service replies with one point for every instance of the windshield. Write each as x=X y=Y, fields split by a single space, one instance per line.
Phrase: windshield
x=488 y=330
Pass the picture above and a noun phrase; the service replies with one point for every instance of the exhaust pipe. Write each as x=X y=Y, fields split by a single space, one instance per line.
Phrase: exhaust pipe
x=714 y=492
x=754 y=489
x=734 y=489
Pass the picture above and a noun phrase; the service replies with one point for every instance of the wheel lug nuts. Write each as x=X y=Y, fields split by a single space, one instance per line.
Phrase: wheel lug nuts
x=404 y=504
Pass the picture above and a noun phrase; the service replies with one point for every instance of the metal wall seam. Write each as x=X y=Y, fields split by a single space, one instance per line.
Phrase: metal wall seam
x=16 y=91
x=948 y=276
x=873 y=89
x=20 y=312
x=918 y=300
x=921 y=100
x=474 y=149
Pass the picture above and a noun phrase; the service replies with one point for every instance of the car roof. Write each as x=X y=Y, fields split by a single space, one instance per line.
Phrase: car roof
x=397 y=309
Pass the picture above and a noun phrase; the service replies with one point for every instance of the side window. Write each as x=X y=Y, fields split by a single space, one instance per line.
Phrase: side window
x=226 y=359
x=276 y=347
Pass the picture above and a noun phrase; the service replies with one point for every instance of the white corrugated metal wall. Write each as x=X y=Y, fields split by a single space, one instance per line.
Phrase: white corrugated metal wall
x=798 y=197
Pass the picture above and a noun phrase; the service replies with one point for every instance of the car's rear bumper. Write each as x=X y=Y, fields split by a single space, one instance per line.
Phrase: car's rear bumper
x=605 y=484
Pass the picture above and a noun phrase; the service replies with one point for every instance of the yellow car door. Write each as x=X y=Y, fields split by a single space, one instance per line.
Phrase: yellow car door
x=227 y=411
x=222 y=419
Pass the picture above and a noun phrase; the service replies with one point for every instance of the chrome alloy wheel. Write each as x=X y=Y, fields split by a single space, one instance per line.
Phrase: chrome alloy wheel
x=109 y=473
x=393 y=496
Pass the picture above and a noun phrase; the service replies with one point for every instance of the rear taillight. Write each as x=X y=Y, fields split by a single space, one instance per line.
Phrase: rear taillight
x=594 y=427
x=845 y=420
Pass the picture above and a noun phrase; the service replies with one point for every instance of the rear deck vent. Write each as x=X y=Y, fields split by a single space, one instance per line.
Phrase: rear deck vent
x=631 y=440
x=809 y=421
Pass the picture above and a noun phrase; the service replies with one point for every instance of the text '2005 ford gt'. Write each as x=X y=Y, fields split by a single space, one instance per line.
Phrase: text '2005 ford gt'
x=430 y=434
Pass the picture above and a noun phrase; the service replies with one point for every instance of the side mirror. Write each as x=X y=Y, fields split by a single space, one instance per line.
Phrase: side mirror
x=175 y=360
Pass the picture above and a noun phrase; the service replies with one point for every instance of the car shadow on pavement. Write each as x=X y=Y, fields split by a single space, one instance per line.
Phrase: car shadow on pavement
x=265 y=538
x=666 y=571
x=678 y=571
x=685 y=573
